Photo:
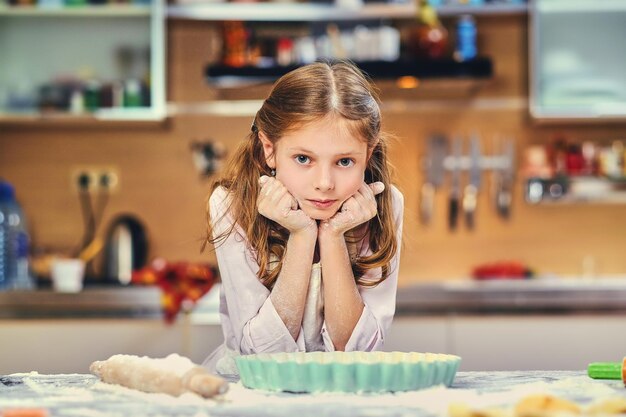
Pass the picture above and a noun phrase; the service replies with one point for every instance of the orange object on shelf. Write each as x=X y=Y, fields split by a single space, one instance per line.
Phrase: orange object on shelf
x=180 y=283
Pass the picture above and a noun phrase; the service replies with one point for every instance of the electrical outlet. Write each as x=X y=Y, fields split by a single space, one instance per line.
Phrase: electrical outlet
x=83 y=179
x=108 y=178
x=95 y=178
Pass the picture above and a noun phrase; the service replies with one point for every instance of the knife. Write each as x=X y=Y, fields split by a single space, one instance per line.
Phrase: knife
x=455 y=184
x=436 y=152
x=470 y=193
x=504 y=194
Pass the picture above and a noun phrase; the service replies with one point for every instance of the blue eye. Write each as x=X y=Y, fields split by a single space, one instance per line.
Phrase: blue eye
x=302 y=159
x=345 y=162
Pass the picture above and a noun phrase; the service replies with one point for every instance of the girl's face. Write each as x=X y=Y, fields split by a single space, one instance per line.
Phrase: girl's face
x=321 y=165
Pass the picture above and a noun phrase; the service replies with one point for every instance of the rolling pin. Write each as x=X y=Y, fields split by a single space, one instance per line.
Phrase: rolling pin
x=608 y=370
x=173 y=375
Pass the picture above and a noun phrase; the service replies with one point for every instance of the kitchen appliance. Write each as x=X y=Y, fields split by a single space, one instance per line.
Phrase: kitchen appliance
x=126 y=249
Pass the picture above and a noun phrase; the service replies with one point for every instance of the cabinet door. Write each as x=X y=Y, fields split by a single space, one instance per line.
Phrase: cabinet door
x=419 y=334
x=104 y=62
x=537 y=342
x=576 y=68
x=69 y=346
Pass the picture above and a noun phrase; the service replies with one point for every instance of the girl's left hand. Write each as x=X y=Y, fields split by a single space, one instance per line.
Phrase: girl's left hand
x=356 y=210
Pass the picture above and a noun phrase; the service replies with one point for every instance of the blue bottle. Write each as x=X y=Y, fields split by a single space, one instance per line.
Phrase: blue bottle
x=466 y=38
x=14 y=242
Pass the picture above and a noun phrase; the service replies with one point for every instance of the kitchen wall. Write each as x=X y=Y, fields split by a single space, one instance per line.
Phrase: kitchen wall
x=159 y=183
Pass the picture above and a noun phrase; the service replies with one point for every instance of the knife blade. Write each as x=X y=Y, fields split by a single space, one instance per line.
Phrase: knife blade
x=437 y=148
x=455 y=184
x=470 y=193
x=504 y=190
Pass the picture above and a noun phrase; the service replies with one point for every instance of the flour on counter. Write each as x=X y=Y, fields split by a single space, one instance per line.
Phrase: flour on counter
x=434 y=400
x=187 y=398
x=64 y=396
x=51 y=393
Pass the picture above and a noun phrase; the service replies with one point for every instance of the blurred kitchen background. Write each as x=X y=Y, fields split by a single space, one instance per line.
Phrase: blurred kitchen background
x=510 y=125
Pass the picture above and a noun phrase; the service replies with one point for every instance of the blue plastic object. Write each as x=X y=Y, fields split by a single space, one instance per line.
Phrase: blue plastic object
x=466 y=38
x=14 y=242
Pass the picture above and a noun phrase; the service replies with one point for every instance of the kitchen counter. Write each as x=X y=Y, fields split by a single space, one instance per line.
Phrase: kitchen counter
x=79 y=394
x=459 y=296
x=538 y=296
x=475 y=320
x=92 y=302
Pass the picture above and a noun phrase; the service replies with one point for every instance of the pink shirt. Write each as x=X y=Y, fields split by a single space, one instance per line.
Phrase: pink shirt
x=250 y=322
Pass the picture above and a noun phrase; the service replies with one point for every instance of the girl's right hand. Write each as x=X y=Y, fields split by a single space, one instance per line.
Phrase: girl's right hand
x=277 y=204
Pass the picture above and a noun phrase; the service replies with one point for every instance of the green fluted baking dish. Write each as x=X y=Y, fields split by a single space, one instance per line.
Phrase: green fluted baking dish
x=347 y=371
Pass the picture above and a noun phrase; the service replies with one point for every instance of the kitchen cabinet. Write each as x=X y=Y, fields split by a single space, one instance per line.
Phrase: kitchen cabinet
x=521 y=325
x=82 y=63
x=576 y=68
x=71 y=345
x=484 y=342
x=514 y=342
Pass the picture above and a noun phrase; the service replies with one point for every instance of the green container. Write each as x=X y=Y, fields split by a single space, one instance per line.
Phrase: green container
x=605 y=370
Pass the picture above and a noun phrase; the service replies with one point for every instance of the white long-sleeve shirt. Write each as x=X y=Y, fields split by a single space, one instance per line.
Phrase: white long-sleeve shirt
x=249 y=320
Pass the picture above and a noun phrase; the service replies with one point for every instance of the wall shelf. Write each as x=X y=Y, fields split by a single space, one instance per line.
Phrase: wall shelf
x=123 y=117
x=271 y=12
x=481 y=68
x=277 y=11
x=568 y=190
x=76 y=11
x=581 y=6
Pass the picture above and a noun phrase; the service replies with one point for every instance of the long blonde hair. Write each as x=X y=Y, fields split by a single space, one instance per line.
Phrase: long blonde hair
x=309 y=93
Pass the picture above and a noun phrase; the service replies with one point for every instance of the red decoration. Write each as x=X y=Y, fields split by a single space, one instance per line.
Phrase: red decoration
x=180 y=283
x=502 y=270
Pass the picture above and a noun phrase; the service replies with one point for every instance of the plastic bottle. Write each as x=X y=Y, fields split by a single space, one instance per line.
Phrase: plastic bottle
x=466 y=38
x=14 y=242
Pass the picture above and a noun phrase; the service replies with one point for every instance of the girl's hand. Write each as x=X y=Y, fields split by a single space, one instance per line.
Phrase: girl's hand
x=356 y=210
x=277 y=204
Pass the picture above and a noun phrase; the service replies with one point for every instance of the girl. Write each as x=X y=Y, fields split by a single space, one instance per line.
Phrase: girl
x=305 y=223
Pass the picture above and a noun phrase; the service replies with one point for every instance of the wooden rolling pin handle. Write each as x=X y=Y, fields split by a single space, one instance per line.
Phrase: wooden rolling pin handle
x=200 y=381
